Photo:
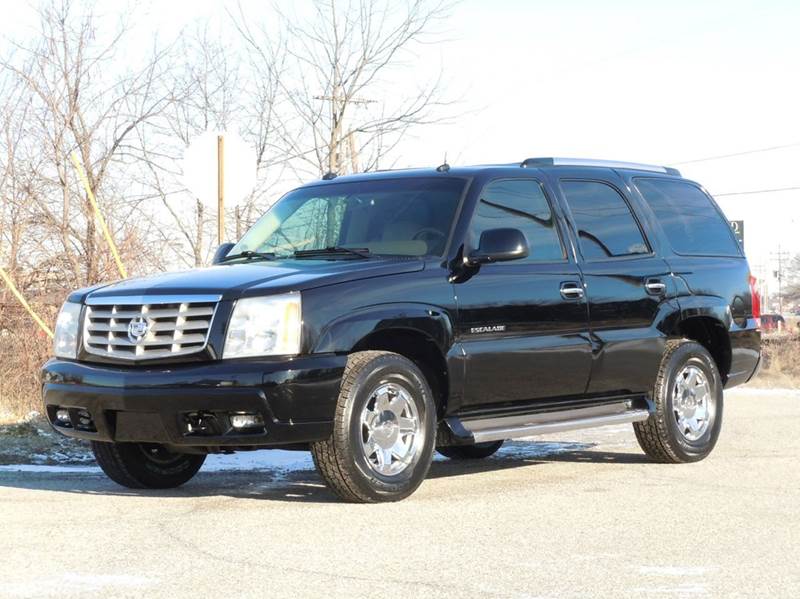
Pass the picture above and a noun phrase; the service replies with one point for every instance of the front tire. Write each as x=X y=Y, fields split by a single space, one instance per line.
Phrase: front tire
x=383 y=432
x=478 y=451
x=145 y=465
x=688 y=406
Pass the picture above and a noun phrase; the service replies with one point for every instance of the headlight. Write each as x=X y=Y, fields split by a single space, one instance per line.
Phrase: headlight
x=264 y=326
x=65 y=339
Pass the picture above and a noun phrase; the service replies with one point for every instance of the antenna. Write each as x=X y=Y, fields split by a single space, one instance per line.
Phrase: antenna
x=444 y=167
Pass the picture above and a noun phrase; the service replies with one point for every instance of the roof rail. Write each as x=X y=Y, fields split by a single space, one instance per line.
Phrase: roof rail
x=532 y=162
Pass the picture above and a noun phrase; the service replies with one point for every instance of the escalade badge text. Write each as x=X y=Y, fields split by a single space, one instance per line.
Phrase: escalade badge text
x=498 y=328
x=137 y=329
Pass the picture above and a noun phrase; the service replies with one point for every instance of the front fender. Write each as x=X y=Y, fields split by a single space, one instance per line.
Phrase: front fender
x=344 y=333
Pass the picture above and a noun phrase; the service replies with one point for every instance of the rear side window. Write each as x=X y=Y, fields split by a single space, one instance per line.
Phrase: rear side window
x=519 y=204
x=691 y=222
x=606 y=226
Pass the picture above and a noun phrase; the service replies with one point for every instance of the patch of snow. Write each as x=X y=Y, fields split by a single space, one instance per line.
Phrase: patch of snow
x=282 y=460
x=272 y=459
x=267 y=459
x=527 y=448
x=50 y=469
x=32 y=416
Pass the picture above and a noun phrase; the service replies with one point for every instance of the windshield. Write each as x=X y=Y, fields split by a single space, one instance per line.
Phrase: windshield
x=404 y=217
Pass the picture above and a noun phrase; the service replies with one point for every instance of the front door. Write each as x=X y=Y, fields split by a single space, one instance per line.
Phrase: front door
x=522 y=324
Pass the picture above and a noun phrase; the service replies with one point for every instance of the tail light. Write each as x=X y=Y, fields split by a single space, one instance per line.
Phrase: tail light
x=756 y=300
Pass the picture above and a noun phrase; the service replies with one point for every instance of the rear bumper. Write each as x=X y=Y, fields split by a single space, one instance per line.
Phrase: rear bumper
x=296 y=400
x=745 y=354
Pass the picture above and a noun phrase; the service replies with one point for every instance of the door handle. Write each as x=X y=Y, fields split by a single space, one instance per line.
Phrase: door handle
x=571 y=290
x=655 y=287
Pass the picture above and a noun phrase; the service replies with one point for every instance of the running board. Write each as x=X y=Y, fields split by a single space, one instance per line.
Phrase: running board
x=524 y=425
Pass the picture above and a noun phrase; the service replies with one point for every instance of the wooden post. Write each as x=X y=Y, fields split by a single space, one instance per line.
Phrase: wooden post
x=220 y=189
x=238 y=224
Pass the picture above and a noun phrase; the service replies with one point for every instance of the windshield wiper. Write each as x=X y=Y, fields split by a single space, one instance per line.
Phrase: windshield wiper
x=333 y=251
x=250 y=254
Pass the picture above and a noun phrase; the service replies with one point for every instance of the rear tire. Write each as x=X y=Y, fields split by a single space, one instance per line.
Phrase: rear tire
x=145 y=465
x=688 y=406
x=383 y=430
x=478 y=451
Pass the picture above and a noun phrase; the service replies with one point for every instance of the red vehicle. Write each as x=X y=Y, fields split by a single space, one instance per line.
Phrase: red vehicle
x=772 y=322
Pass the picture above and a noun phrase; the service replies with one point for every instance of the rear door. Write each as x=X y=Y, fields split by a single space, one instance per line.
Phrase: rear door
x=522 y=324
x=629 y=287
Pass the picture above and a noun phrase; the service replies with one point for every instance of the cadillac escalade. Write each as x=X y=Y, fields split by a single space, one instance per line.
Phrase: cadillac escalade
x=373 y=319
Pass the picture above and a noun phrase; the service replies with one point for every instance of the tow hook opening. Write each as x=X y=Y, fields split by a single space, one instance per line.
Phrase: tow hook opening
x=201 y=424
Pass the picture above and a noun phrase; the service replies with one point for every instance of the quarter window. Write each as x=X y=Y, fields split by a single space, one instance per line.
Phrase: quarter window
x=691 y=222
x=606 y=226
x=519 y=204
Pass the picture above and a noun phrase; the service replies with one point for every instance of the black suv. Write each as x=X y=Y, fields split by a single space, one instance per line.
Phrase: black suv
x=375 y=318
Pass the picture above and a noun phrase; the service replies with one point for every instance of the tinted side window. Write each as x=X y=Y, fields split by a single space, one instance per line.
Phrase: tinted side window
x=606 y=226
x=519 y=204
x=689 y=219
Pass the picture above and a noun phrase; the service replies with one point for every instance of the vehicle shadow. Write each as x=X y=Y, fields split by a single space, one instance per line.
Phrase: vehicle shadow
x=305 y=485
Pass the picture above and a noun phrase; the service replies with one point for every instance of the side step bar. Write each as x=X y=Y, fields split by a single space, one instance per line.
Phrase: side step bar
x=524 y=425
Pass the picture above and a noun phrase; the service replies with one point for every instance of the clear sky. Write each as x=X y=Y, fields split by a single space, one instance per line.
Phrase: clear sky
x=661 y=82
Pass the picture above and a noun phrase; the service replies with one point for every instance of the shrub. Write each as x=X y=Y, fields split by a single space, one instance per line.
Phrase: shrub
x=23 y=350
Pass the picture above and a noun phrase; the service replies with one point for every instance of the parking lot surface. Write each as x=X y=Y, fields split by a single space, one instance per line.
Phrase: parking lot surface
x=580 y=514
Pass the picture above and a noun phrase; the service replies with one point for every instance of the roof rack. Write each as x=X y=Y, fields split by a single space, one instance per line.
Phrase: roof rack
x=532 y=162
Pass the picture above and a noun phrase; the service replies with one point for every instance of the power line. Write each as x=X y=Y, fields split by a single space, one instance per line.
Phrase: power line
x=744 y=153
x=743 y=193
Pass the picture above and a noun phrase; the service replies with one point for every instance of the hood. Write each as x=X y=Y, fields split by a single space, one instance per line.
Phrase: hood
x=233 y=281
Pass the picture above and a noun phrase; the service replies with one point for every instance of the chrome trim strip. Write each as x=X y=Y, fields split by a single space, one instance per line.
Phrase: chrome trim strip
x=149 y=300
x=511 y=431
x=636 y=166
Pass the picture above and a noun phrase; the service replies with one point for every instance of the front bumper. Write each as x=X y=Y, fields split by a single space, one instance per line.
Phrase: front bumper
x=296 y=400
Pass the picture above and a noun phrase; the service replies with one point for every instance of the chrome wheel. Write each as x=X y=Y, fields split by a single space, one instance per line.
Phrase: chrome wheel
x=692 y=403
x=391 y=433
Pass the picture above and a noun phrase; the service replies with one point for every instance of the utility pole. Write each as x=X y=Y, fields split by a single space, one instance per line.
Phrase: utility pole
x=339 y=104
x=761 y=272
x=780 y=256
x=220 y=189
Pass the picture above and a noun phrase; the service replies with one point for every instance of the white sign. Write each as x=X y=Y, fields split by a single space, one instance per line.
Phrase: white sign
x=200 y=168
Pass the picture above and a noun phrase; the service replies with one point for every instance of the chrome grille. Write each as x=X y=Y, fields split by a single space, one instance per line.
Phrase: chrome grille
x=175 y=326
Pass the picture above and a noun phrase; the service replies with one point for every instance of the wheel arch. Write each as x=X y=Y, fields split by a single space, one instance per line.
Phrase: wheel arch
x=419 y=332
x=711 y=333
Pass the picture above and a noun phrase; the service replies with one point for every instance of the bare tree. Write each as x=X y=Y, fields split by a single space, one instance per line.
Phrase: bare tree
x=81 y=100
x=792 y=291
x=341 y=112
x=206 y=93
x=311 y=93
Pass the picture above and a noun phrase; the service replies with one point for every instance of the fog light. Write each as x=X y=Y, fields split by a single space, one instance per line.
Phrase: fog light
x=246 y=420
x=62 y=417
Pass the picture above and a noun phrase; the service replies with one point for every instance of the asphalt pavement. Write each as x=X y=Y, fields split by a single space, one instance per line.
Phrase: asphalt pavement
x=579 y=514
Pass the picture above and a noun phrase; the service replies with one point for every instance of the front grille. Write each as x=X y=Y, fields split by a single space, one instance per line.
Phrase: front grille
x=163 y=328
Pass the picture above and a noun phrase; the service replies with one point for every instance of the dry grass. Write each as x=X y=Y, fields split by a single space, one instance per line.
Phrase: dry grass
x=23 y=350
x=781 y=362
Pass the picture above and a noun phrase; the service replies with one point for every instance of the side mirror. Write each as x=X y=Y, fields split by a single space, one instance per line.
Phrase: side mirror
x=221 y=252
x=500 y=245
